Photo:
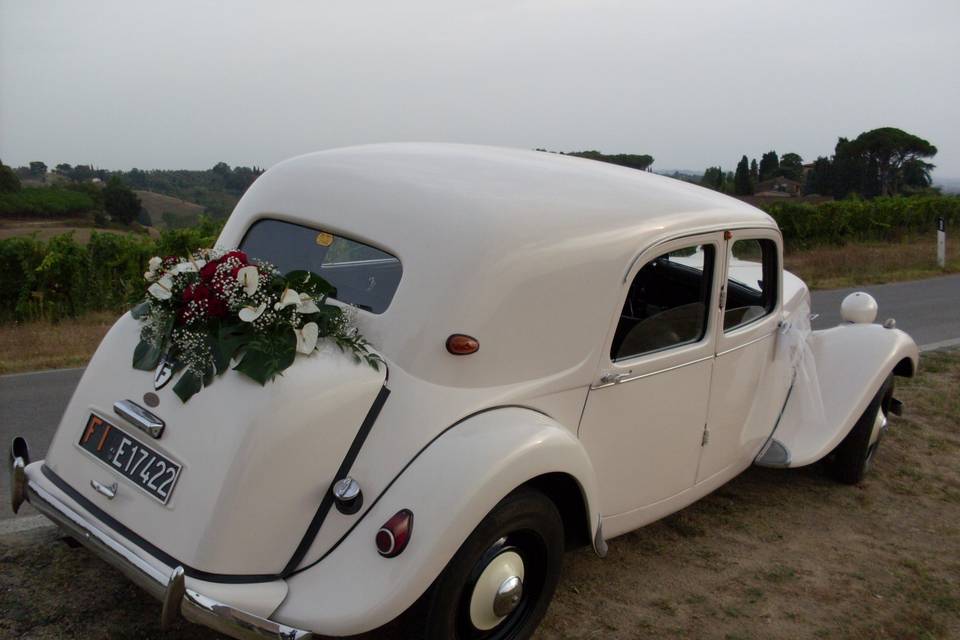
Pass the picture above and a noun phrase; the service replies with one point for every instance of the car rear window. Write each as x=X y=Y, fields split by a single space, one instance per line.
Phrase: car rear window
x=364 y=276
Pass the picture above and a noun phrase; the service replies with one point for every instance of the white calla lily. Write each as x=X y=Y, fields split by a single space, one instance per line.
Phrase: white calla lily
x=249 y=279
x=249 y=314
x=189 y=266
x=162 y=289
x=154 y=263
x=306 y=304
x=307 y=337
x=289 y=297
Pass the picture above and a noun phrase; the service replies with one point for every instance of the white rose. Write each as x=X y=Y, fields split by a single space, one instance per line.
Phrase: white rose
x=155 y=263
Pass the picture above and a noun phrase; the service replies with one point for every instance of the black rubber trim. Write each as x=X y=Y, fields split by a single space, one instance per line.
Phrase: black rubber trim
x=327 y=501
x=400 y=473
x=157 y=553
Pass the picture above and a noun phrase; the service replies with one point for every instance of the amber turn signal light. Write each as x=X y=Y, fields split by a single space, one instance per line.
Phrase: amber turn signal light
x=462 y=345
x=393 y=536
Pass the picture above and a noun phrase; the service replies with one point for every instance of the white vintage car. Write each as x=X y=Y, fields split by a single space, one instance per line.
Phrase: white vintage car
x=573 y=350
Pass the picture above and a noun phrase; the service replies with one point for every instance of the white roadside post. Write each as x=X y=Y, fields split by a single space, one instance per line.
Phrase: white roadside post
x=941 y=242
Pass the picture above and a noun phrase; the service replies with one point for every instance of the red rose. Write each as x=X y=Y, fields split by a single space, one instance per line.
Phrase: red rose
x=196 y=292
x=209 y=270
x=216 y=308
x=240 y=256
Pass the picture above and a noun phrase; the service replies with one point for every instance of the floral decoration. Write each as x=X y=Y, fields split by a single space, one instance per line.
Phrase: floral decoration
x=215 y=308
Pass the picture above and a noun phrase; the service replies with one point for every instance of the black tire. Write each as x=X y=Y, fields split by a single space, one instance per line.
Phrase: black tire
x=525 y=522
x=851 y=459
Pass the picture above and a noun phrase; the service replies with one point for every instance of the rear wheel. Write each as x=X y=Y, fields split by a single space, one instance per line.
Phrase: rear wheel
x=853 y=456
x=499 y=584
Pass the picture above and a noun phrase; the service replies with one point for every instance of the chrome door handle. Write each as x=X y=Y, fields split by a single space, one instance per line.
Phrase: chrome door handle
x=109 y=491
x=613 y=378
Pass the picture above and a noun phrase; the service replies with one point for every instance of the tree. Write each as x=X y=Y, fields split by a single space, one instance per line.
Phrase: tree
x=632 y=160
x=222 y=169
x=137 y=178
x=886 y=150
x=38 y=170
x=742 y=186
x=63 y=169
x=9 y=182
x=791 y=166
x=754 y=172
x=120 y=202
x=769 y=163
x=81 y=173
x=820 y=178
x=916 y=174
x=713 y=178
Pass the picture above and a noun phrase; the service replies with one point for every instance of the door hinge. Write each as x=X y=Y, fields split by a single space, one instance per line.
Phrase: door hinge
x=723 y=297
x=706 y=437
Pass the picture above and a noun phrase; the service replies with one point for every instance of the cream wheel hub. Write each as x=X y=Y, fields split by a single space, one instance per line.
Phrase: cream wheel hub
x=497 y=591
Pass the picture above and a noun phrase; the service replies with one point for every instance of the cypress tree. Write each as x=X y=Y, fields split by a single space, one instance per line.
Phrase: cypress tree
x=742 y=185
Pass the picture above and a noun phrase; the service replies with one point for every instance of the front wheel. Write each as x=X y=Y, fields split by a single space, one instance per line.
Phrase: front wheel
x=499 y=584
x=852 y=458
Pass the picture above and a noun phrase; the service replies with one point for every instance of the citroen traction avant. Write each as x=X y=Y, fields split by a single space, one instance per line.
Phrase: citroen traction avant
x=573 y=350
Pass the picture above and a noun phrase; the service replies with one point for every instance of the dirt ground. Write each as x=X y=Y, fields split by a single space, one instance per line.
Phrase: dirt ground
x=773 y=554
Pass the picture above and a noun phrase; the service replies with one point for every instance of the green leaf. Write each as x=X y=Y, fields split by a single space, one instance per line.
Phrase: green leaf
x=146 y=356
x=269 y=355
x=140 y=311
x=188 y=384
x=229 y=340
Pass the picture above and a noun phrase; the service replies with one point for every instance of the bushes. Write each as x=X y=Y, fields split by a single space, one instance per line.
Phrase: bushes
x=883 y=219
x=62 y=278
x=48 y=202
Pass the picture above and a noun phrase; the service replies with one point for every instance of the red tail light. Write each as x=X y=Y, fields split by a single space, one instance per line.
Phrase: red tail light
x=462 y=345
x=393 y=536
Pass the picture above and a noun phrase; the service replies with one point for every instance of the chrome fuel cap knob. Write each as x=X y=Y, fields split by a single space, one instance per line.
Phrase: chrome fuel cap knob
x=348 y=496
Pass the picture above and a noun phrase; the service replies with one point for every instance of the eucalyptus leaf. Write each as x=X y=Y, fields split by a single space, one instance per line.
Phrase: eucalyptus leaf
x=140 y=311
x=146 y=356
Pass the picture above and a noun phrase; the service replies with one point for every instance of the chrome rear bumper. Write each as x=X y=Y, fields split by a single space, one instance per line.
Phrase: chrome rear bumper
x=170 y=588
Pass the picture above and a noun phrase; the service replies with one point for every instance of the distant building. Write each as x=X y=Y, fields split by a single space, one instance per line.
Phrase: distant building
x=778 y=187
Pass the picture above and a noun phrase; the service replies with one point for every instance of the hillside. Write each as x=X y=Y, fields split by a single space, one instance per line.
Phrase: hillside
x=169 y=212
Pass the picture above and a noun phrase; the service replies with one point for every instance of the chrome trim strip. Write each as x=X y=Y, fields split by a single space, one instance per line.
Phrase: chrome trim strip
x=652 y=373
x=200 y=609
x=745 y=344
x=176 y=588
x=139 y=417
x=169 y=588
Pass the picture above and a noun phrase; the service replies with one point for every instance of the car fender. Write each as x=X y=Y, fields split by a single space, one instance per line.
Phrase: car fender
x=449 y=486
x=849 y=364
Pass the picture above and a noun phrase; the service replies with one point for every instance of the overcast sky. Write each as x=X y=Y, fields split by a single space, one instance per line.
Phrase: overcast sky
x=120 y=84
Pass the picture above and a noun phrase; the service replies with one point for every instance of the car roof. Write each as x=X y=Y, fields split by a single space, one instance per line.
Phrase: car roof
x=498 y=192
x=481 y=229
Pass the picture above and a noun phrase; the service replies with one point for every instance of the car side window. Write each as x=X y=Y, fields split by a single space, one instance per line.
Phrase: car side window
x=667 y=305
x=751 y=282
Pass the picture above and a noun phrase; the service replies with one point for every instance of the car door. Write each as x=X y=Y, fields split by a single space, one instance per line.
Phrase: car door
x=646 y=411
x=749 y=382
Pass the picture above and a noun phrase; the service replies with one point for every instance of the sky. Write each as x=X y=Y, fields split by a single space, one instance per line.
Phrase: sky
x=174 y=84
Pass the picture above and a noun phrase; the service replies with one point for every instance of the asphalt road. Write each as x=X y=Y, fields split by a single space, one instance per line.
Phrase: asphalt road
x=31 y=404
